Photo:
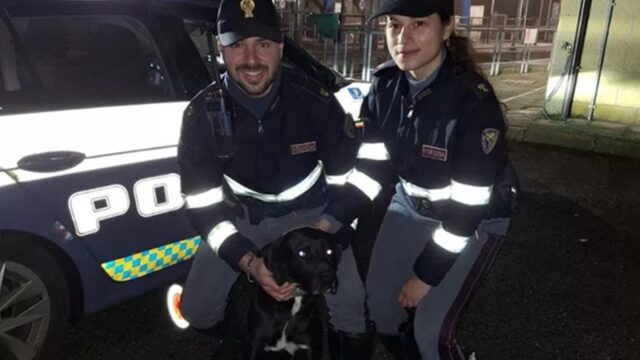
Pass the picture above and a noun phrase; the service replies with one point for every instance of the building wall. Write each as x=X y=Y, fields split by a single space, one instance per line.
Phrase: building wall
x=509 y=8
x=618 y=93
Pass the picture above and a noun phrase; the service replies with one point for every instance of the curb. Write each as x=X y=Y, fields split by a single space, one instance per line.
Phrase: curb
x=600 y=138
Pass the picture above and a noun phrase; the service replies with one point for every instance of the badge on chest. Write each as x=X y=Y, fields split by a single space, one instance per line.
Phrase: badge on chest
x=297 y=149
x=435 y=153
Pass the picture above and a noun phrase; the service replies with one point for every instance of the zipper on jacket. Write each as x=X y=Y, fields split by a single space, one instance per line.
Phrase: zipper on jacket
x=410 y=104
x=411 y=110
x=260 y=127
x=413 y=102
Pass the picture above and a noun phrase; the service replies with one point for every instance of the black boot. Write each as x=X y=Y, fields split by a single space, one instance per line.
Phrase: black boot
x=408 y=339
x=393 y=344
x=401 y=347
x=347 y=346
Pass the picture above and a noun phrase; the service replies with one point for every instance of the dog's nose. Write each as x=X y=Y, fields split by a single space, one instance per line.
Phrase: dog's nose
x=326 y=274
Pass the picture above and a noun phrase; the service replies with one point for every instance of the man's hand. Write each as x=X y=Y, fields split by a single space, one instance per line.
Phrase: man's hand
x=413 y=291
x=256 y=269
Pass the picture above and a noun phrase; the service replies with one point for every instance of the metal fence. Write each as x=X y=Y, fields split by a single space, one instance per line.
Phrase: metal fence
x=500 y=42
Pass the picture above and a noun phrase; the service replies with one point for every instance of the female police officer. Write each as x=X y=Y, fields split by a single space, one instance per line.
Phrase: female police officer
x=283 y=166
x=434 y=124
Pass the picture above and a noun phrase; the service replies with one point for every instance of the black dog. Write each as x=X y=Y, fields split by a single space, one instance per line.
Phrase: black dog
x=293 y=329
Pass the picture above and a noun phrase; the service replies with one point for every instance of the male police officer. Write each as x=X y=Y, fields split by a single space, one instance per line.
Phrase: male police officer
x=290 y=164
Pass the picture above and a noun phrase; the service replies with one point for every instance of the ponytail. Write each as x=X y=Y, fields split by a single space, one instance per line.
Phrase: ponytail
x=460 y=47
x=463 y=54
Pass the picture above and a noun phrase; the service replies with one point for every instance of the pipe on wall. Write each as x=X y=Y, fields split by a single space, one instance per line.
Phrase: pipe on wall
x=526 y=13
x=540 y=9
x=520 y=11
x=601 y=54
x=465 y=8
x=574 y=67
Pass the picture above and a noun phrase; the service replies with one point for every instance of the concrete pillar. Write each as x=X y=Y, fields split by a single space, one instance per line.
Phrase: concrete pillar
x=520 y=12
x=464 y=7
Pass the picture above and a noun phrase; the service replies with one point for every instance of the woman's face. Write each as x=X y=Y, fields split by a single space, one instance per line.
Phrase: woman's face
x=416 y=44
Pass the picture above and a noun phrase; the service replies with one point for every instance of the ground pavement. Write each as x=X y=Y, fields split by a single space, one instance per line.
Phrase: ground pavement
x=524 y=97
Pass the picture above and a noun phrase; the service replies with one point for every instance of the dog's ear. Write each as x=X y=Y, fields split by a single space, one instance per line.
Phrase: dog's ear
x=276 y=258
x=338 y=250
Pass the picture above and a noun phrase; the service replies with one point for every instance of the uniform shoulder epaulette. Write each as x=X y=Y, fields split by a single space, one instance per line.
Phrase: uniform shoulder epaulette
x=309 y=85
x=207 y=92
x=199 y=102
x=385 y=68
x=287 y=66
x=478 y=85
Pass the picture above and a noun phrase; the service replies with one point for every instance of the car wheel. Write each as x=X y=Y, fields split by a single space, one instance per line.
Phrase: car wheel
x=34 y=300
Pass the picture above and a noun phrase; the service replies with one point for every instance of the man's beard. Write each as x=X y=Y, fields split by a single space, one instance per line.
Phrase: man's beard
x=258 y=89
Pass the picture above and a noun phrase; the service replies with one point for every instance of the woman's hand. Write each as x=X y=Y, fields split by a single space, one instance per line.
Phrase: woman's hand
x=412 y=292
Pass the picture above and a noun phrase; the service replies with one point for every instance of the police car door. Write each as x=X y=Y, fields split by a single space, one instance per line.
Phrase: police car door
x=89 y=127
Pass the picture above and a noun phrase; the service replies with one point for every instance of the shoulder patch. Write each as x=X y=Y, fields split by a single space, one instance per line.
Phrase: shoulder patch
x=489 y=139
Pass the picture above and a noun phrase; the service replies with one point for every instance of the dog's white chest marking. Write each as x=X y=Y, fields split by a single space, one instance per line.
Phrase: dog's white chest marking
x=297 y=304
x=283 y=344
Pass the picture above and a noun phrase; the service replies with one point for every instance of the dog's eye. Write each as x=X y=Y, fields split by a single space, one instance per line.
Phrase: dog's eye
x=329 y=251
x=302 y=253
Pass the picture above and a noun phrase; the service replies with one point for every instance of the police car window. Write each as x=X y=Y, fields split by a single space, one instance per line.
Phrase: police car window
x=200 y=35
x=8 y=76
x=79 y=61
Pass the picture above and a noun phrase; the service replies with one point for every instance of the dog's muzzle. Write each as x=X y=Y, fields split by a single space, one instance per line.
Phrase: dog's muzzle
x=323 y=283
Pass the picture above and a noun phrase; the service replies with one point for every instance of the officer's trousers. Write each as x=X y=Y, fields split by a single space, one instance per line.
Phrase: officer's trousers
x=401 y=239
x=210 y=278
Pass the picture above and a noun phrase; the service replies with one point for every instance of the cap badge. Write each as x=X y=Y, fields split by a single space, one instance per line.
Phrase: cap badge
x=247 y=7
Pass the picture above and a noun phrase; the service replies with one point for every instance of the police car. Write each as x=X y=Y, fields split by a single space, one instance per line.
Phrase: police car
x=91 y=100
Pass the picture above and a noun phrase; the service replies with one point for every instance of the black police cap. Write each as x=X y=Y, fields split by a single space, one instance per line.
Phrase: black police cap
x=240 y=19
x=414 y=8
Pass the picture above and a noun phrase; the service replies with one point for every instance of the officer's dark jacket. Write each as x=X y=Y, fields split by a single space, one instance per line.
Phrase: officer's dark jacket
x=283 y=163
x=446 y=147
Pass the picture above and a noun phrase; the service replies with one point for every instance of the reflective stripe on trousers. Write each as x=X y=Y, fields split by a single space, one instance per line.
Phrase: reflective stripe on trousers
x=401 y=239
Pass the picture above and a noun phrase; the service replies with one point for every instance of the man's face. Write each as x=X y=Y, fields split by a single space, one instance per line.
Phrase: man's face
x=252 y=63
x=416 y=44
